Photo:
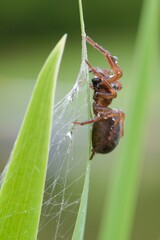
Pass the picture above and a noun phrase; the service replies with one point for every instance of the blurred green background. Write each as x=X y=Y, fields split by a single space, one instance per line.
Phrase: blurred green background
x=28 y=32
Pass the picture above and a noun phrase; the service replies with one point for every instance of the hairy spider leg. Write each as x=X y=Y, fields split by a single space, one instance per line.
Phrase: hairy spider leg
x=104 y=95
x=113 y=64
x=102 y=77
x=108 y=113
x=93 y=120
x=119 y=119
x=105 y=71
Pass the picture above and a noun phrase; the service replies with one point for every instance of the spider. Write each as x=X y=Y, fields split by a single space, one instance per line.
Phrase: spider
x=108 y=123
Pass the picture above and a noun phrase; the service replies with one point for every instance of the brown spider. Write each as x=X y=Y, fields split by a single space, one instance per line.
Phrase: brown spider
x=108 y=123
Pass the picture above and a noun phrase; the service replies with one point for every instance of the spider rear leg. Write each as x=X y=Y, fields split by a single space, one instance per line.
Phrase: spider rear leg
x=119 y=119
x=96 y=119
x=108 y=113
x=117 y=115
x=105 y=95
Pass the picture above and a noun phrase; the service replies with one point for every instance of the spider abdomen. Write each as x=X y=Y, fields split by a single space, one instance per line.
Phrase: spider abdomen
x=105 y=135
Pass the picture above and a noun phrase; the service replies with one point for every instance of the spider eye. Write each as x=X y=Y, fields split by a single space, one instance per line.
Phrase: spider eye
x=96 y=80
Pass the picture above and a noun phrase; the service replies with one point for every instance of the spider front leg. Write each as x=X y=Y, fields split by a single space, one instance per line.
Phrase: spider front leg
x=112 y=60
x=104 y=78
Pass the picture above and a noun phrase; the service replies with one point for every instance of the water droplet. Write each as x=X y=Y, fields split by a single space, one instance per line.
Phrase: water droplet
x=69 y=134
x=70 y=98
x=115 y=59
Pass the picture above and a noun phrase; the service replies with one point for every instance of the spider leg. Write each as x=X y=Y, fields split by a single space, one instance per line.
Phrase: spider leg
x=103 y=78
x=120 y=116
x=111 y=60
x=96 y=119
x=96 y=45
x=97 y=72
x=105 y=95
x=106 y=113
x=107 y=71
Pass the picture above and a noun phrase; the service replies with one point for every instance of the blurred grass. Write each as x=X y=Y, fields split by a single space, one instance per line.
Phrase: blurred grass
x=35 y=17
x=118 y=214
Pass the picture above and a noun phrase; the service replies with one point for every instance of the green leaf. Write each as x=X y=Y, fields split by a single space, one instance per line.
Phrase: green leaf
x=22 y=189
x=118 y=215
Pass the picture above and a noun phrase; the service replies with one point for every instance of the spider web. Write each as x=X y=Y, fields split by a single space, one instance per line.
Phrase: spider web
x=67 y=161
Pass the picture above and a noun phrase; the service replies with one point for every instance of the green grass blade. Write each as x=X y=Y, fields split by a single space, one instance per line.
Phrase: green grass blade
x=81 y=217
x=118 y=215
x=22 y=189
